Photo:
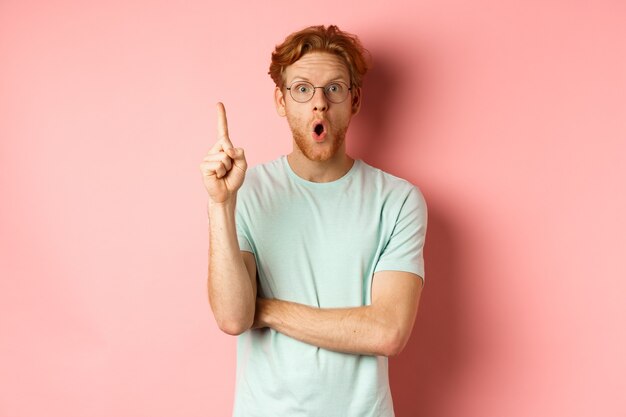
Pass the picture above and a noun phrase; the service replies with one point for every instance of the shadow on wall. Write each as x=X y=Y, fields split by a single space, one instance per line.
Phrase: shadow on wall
x=373 y=133
x=424 y=374
x=369 y=133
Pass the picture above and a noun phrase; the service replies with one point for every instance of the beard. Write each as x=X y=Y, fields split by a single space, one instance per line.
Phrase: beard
x=313 y=151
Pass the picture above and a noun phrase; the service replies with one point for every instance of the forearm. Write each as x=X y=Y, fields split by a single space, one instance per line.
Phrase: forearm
x=231 y=293
x=359 y=330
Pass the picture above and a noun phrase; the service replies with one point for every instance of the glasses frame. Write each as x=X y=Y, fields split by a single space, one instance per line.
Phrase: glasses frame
x=323 y=89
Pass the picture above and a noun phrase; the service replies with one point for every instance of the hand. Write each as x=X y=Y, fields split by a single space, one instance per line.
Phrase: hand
x=224 y=167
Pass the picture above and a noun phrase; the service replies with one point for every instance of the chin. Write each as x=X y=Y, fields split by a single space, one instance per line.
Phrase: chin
x=324 y=154
x=314 y=152
x=319 y=156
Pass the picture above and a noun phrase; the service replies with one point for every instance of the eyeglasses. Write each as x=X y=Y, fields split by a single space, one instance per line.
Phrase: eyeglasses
x=336 y=91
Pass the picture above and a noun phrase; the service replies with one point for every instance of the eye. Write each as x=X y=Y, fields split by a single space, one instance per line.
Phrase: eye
x=334 y=88
x=302 y=88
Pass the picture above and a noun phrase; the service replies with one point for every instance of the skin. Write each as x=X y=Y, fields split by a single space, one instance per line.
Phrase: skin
x=232 y=291
x=326 y=161
x=382 y=328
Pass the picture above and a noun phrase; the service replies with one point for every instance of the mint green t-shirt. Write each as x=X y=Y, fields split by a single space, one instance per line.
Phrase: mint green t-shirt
x=320 y=244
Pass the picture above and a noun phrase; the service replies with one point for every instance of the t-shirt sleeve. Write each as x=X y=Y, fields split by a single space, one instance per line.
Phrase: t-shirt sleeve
x=242 y=223
x=405 y=249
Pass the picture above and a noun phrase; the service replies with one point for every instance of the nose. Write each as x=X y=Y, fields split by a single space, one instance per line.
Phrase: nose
x=320 y=102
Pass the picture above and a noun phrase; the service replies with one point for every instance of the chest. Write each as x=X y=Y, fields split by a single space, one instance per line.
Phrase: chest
x=319 y=251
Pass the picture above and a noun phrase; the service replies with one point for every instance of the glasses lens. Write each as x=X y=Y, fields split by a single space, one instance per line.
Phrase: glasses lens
x=301 y=91
x=336 y=92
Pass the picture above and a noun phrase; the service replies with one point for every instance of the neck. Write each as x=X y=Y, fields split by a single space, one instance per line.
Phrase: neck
x=320 y=171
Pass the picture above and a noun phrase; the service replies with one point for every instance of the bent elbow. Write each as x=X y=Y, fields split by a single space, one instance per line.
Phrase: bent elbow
x=393 y=350
x=233 y=327
x=394 y=343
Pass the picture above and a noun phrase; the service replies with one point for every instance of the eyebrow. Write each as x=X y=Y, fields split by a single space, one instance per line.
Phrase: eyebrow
x=337 y=77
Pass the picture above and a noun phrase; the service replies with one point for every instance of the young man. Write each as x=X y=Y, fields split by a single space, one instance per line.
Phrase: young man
x=316 y=259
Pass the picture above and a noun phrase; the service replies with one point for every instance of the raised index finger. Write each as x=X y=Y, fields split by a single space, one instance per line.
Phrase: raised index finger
x=222 y=126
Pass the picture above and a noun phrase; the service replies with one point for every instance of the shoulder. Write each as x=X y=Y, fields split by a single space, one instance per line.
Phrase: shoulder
x=265 y=173
x=390 y=187
x=261 y=179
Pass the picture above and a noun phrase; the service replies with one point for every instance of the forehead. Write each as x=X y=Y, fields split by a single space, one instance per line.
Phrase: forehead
x=318 y=66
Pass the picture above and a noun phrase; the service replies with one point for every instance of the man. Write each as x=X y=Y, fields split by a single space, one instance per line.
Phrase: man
x=316 y=259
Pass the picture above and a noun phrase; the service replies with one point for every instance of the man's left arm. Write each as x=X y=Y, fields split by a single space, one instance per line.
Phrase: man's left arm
x=382 y=328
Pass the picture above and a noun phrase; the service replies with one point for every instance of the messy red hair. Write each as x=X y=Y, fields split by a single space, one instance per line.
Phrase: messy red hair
x=320 y=39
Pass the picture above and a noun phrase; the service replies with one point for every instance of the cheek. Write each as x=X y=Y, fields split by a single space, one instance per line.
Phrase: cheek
x=343 y=118
x=294 y=121
x=293 y=115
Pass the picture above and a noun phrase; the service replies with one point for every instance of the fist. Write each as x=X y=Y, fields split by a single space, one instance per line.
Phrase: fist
x=224 y=167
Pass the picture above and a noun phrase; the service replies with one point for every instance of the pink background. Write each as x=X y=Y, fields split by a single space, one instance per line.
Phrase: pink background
x=510 y=116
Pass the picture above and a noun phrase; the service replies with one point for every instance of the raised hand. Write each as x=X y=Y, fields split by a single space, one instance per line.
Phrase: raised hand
x=224 y=167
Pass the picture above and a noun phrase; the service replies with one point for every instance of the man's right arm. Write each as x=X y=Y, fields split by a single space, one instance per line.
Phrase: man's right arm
x=232 y=273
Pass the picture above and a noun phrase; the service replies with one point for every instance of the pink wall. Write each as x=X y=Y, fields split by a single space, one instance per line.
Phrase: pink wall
x=510 y=116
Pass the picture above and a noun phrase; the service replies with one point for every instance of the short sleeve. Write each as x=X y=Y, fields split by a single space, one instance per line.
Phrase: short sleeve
x=405 y=249
x=242 y=223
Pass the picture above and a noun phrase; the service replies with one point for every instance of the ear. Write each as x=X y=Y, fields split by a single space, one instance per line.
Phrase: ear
x=357 y=93
x=279 y=101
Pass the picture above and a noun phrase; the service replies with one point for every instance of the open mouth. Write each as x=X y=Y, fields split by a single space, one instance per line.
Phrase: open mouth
x=318 y=129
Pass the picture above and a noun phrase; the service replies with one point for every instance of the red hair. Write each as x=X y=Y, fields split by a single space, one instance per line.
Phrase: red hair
x=320 y=39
